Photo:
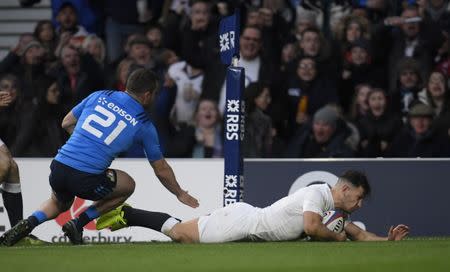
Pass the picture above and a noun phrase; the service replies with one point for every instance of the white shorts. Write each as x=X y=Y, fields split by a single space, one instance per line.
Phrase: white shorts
x=232 y=223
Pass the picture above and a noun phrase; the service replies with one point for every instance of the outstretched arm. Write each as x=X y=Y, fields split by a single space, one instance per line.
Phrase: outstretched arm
x=357 y=234
x=166 y=176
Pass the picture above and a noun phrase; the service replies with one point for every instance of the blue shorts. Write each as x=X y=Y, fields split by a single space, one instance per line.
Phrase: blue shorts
x=68 y=182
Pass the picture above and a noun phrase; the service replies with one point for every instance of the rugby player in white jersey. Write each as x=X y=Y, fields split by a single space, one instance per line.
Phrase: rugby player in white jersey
x=287 y=219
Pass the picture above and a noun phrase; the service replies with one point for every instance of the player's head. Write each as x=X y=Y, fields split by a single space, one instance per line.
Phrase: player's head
x=351 y=189
x=143 y=84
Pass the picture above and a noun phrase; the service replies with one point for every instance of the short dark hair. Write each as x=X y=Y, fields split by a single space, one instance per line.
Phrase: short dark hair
x=357 y=179
x=141 y=81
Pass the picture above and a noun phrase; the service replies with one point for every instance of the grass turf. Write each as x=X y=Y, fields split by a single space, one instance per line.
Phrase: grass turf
x=409 y=255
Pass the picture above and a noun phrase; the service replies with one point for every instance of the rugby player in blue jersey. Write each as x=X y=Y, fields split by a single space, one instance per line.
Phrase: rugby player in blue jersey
x=102 y=126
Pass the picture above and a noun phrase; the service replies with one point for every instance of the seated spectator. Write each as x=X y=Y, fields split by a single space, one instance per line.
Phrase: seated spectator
x=321 y=139
x=418 y=139
x=208 y=132
x=258 y=125
x=16 y=116
x=379 y=127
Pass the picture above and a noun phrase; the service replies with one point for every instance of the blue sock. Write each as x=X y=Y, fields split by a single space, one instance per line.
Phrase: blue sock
x=37 y=218
x=87 y=216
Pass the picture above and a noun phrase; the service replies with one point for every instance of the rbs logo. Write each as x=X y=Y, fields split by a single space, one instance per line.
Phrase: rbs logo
x=233 y=116
x=226 y=41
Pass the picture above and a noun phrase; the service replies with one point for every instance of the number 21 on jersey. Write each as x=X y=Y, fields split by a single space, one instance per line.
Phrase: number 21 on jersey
x=110 y=118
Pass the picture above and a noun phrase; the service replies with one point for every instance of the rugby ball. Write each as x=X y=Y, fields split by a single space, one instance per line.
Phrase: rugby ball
x=334 y=220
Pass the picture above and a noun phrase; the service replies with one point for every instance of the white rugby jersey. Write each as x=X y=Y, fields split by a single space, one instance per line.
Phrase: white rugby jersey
x=283 y=220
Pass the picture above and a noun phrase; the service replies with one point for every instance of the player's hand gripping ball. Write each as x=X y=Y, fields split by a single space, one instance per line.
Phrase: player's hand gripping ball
x=334 y=220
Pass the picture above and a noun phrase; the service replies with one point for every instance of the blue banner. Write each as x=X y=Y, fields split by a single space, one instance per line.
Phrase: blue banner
x=234 y=134
x=229 y=38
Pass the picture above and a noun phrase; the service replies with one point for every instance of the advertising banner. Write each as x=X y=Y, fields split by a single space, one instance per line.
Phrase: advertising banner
x=205 y=183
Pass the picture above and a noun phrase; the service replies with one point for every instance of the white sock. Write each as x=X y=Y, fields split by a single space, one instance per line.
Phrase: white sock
x=168 y=225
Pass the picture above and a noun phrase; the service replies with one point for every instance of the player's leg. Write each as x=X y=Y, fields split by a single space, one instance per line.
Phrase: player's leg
x=230 y=223
x=108 y=192
x=185 y=232
x=48 y=210
x=127 y=216
x=11 y=191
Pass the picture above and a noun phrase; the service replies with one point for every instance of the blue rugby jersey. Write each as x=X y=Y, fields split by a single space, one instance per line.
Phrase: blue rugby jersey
x=108 y=124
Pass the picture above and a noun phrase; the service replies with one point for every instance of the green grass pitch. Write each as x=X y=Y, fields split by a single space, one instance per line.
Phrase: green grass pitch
x=410 y=255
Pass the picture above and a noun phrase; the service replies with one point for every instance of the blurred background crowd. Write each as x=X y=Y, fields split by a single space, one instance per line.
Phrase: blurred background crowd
x=344 y=78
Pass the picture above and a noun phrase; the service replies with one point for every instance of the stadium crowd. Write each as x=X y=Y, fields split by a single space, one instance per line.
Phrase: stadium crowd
x=325 y=79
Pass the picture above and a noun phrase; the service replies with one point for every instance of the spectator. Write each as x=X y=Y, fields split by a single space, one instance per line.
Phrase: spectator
x=258 y=125
x=359 y=107
x=350 y=29
x=314 y=45
x=45 y=33
x=28 y=66
x=308 y=91
x=122 y=72
x=418 y=139
x=77 y=75
x=141 y=51
x=408 y=85
x=155 y=35
x=358 y=69
x=323 y=139
x=437 y=96
x=208 y=133
x=378 y=127
x=48 y=135
x=256 y=67
x=412 y=44
x=16 y=116
x=95 y=46
x=188 y=80
x=67 y=18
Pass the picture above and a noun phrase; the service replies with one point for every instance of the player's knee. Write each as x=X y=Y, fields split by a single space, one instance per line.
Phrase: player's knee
x=5 y=165
x=14 y=167
x=178 y=235
x=130 y=186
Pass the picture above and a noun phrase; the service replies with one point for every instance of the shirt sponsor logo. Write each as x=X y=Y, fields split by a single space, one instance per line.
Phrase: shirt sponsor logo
x=118 y=110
